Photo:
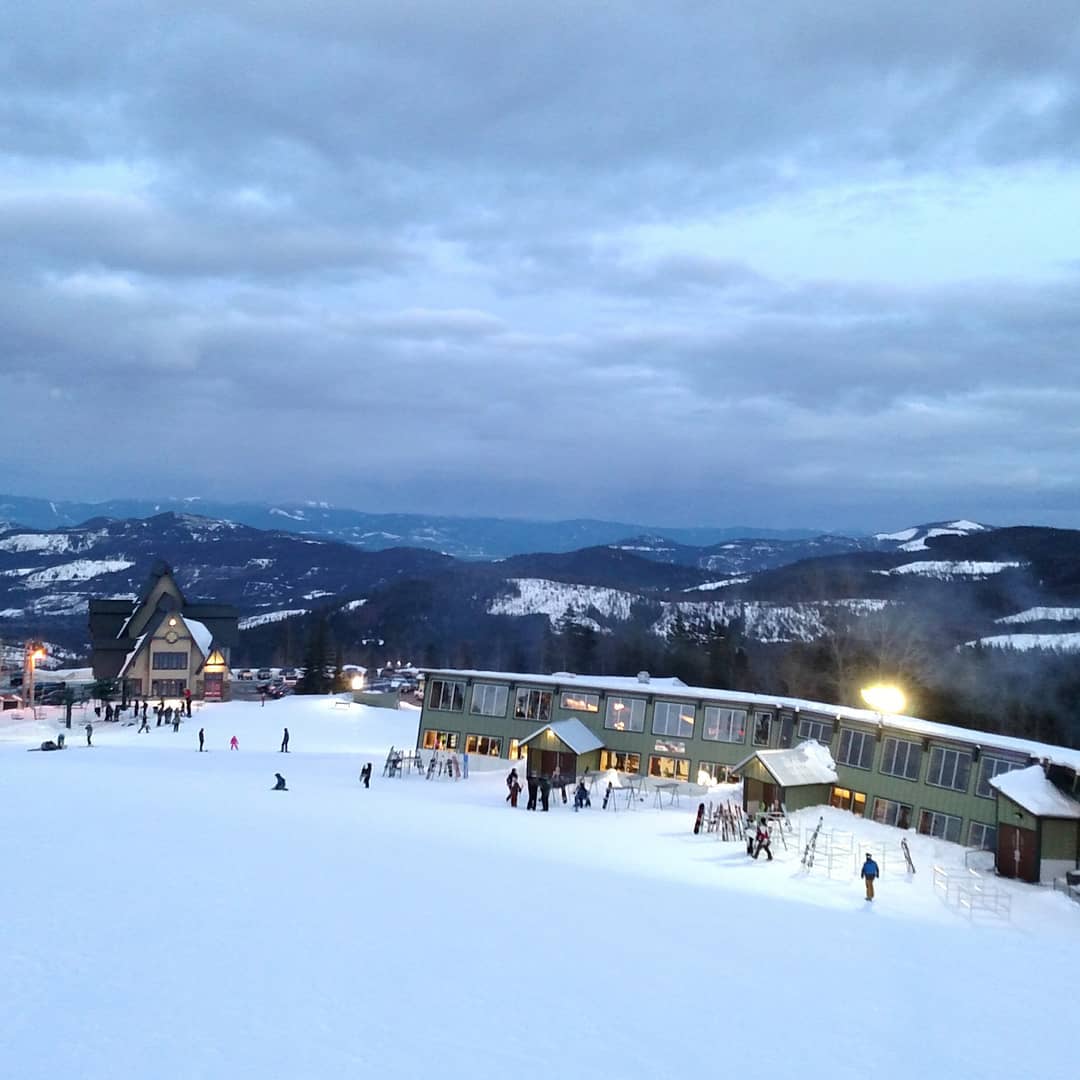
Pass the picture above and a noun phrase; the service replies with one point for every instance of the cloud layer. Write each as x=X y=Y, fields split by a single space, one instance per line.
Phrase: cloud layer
x=670 y=263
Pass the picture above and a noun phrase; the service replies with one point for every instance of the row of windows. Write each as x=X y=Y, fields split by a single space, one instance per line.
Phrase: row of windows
x=931 y=822
x=169 y=661
x=947 y=768
x=487 y=745
x=621 y=713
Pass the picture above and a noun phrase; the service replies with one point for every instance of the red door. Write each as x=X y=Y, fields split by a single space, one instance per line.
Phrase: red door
x=1017 y=854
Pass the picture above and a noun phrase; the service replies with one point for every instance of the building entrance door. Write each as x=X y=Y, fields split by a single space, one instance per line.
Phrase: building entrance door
x=1017 y=853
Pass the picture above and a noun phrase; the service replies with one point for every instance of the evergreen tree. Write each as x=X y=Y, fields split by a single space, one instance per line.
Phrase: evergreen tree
x=317 y=660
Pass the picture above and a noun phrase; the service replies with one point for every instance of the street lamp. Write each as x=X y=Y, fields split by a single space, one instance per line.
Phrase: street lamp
x=32 y=653
x=358 y=682
x=884 y=699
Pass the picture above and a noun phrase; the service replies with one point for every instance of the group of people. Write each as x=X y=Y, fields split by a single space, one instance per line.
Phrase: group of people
x=540 y=786
x=168 y=713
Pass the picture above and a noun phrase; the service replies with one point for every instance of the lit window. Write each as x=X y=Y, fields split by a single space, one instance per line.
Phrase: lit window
x=669 y=768
x=724 y=725
x=581 y=702
x=673 y=718
x=625 y=714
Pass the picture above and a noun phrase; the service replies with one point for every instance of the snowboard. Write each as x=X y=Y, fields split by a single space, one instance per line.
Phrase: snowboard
x=699 y=819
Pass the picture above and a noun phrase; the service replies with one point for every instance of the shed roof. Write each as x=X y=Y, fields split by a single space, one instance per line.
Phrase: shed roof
x=807 y=763
x=572 y=732
x=1030 y=789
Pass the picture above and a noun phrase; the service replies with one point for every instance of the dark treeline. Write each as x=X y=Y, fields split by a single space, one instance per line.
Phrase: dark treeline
x=1032 y=695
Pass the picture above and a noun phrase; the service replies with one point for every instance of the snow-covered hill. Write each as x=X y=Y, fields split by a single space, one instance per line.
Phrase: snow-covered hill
x=319 y=932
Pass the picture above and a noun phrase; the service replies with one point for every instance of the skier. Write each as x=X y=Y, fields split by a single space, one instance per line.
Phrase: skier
x=515 y=788
x=511 y=780
x=284 y=742
x=869 y=872
x=581 y=796
x=763 y=839
x=365 y=775
x=533 y=784
x=144 y=726
x=234 y=743
x=202 y=738
x=280 y=785
x=176 y=720
x=187 y=701
x=89 y=733
x=144 y=710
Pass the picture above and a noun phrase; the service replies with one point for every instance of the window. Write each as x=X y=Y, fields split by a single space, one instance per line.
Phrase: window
x=901 y=758
x=162 y=688
x=713 y=772
x=625 y=714
x=673 y=718
x=819 y=730
x=856 y=748
x=533 y=705
x=581 y=702
x=489 y=699
x=440 y=740
x=517 y=751
x=134 y=687
x=889 y=812
x=845 y=799
x=170 y=661
x=990 y=767
x=943 y=826
x=949 y=769
x=724 y=725
x=620 y=762
x=669 y=768
x=982 y=836
x=447 y=695
x=762 y=728
x=483 y=744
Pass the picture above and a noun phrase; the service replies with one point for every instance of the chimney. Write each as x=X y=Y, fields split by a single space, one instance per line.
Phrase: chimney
x=643 y=676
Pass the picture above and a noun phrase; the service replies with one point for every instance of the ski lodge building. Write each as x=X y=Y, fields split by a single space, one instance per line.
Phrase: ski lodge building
x=162 y=644
x=1018 y=798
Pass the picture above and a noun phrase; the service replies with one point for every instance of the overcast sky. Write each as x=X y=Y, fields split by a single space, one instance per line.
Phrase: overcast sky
x=809 y=264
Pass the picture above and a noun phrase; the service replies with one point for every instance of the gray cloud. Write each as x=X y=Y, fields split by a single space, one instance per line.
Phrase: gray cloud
x=681 y=263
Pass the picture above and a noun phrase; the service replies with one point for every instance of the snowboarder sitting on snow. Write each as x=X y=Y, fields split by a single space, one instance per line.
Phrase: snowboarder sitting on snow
x=280 y=785
x=869 y=872
x=581 y=796
x=763 y=840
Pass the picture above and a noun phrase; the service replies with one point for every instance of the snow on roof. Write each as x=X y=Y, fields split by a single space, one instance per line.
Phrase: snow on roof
x=807 y=763
x=200 y=634
x=572 y=732
x=1030 y=789
x=675 y=688
x=132 y=653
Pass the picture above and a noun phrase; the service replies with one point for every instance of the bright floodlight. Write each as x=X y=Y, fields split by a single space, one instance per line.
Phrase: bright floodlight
x=358 y=682
x=884 y=699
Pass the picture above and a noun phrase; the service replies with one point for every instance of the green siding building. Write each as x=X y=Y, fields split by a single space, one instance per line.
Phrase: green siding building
x=898 y=770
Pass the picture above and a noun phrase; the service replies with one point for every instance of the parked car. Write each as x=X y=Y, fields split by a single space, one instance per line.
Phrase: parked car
x=264 y=674
x=246 y=674
x=288 y=676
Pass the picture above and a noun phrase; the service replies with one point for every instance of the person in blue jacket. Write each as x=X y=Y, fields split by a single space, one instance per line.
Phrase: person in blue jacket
x=870 y=871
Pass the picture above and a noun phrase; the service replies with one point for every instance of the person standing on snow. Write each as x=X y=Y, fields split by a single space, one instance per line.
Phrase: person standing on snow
x=202 y=738
x=89 y=733
x=763 y=839
x=187 y=701
x=869 y=873
x=284 y=742
x=234 y=743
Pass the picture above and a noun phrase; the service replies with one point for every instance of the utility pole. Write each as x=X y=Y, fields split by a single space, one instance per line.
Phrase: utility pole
x=33 y=651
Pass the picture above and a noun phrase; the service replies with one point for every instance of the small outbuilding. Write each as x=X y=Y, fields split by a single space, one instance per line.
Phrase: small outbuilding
x=794 y=778
x=1038 y=827
x=567 y=745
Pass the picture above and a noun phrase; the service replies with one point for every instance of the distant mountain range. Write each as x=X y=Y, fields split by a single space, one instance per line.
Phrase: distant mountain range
x=464 y=537
x=976 y=581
